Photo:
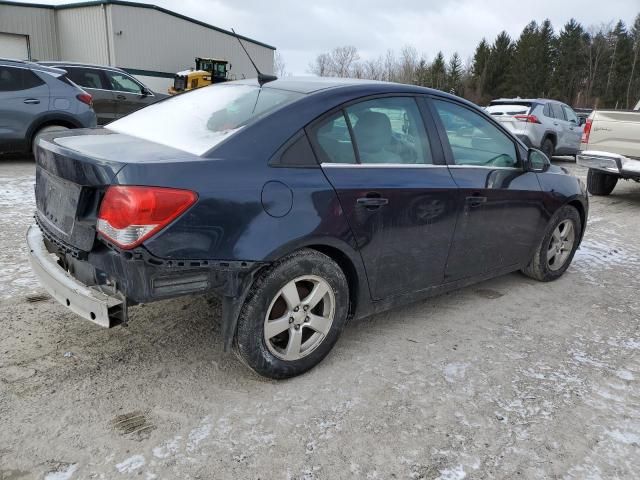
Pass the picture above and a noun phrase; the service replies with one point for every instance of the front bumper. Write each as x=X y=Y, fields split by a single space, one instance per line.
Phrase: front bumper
x=613 y=163
x=88 y=302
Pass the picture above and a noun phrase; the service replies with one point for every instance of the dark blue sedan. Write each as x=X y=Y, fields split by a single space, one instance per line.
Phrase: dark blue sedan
x=302 y=204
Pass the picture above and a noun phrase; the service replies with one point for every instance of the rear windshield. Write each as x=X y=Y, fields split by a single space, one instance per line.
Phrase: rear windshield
x=198 y=120
x=508 y=109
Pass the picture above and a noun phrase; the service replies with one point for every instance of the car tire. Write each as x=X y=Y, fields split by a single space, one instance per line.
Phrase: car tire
x=274 y=305
x=547 y=147
x=43 y=131
x=600 y=183
x=558 y=246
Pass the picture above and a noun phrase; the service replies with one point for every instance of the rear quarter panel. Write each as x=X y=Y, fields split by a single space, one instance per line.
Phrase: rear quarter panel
x=615 y=131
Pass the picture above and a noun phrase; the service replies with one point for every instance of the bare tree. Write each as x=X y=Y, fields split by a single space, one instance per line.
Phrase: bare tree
x=321 y=66
x=390 y=66
x=343 y=60
x=279 y=66
x=408 y=65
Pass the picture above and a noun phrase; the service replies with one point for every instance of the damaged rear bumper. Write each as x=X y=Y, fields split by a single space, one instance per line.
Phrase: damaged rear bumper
x=88 y=302
x=99 y=285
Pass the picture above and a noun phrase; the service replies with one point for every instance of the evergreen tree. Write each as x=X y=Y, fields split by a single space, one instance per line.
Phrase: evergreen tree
x=545 y=58
x=620 y=67
x=479 y=70
x=633 y=88
x=499 y=65
x=438 y=72
x=570 y=68
x=524 y=68
x=454 y=75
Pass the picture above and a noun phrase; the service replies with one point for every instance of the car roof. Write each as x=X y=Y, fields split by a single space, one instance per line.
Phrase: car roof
x=62 y=64
x=31 y=66
x=524 y=100
x=312 y=84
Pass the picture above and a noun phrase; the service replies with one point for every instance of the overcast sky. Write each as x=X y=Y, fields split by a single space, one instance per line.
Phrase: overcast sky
x=300 y=29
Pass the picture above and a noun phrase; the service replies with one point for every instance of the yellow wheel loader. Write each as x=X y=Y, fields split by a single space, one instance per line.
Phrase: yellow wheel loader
x=207 y=71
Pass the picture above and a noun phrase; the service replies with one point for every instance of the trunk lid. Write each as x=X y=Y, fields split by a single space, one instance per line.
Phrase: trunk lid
x=505 y=114
x=73 y=169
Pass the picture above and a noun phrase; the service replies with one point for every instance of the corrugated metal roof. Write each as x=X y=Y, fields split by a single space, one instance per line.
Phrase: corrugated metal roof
x=133 y=4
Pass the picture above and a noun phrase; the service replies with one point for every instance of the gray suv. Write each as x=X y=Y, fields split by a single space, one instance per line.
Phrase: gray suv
x=35 y=100
x=549 y=125
x=115 y=92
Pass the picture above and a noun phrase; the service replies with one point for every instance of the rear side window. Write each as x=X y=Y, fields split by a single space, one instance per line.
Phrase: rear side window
x=389 y=130
x=17 y=79
x=86 y=77
x=333 y=141
x=570 y=114
x=198 y=120
x=557 y=111
x=473 y=139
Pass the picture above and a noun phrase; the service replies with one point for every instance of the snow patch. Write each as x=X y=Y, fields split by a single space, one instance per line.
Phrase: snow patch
x=624 y=374
x=199 y=433
x=454 y=372
x=628 y=438
x=131 y=464
x=456 y=473
x=65 y=474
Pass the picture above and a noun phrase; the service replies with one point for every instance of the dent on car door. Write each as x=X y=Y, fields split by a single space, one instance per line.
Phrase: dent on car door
x=398 y=196
x=95 y=83
x=130 y=95
x=500 y=204
x=23 y=97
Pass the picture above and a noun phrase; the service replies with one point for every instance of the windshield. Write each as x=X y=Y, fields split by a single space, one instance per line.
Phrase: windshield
x=198 y=120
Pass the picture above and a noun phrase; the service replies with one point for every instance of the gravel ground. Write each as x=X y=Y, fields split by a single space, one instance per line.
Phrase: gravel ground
x=506 y=379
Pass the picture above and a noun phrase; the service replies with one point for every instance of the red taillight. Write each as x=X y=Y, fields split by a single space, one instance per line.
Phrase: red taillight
x=527 y=118
x=85 y=98
x=130 y=215
x=586 y=131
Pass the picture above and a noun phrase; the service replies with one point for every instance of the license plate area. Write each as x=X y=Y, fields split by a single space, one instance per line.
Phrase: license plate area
x=57 y=200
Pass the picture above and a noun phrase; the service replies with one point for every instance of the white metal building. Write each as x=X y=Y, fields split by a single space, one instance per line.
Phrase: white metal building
x=149 y=42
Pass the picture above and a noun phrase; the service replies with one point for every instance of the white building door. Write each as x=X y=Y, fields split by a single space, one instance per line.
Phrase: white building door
x=14 y=46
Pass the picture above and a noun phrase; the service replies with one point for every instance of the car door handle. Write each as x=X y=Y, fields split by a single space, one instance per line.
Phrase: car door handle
x=556 y=124
x=121 y=97
x=372 y=201
x=31 y=101
x=475 y=201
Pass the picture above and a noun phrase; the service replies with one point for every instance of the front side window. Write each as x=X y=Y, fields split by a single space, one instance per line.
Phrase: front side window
x=389 y=130
x=123 y=83
x=557 y=111
x=198 y=120
x=570 y=114
x=474 y=140
x=17 y=79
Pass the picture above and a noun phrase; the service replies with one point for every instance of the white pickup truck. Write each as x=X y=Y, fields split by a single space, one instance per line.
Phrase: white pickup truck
x=610 y=148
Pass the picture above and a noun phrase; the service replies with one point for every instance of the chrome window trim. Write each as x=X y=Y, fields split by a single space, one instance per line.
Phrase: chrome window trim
x=382 y=165
x=486 y=166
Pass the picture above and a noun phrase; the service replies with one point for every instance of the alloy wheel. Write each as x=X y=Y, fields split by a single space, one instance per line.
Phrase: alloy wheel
x=561 y=245
x=299 y=317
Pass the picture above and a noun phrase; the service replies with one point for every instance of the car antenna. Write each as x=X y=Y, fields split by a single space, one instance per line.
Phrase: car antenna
x=262 y=77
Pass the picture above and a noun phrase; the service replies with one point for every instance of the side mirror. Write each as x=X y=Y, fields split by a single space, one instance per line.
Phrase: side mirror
x=538 y=161
x=582 y=121
x=146 y=92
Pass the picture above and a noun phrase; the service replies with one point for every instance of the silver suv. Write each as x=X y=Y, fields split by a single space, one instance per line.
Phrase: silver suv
x=549 y=125
x=35 y=100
